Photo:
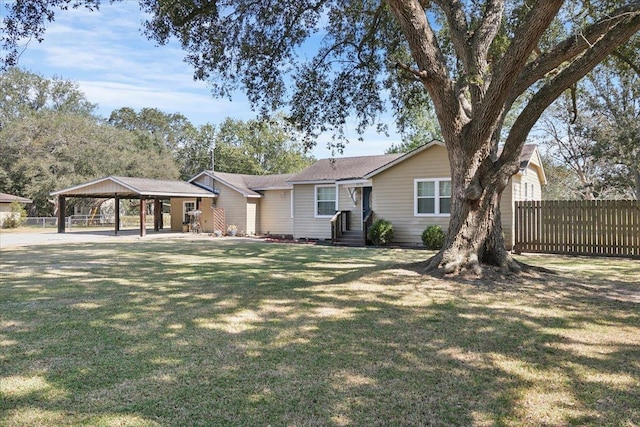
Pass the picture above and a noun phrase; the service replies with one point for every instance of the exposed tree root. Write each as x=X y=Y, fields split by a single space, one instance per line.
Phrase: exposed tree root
x=469 y=267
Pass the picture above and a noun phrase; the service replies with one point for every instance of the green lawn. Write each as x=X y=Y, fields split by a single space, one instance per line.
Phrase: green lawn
x=210 y=332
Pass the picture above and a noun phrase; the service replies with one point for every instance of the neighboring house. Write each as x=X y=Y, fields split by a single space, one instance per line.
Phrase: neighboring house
x=411 y=190
x=5 y=205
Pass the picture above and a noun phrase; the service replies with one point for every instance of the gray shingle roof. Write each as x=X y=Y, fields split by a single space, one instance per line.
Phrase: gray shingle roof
x=343 y=168
x=525 y=155
x=248 y=185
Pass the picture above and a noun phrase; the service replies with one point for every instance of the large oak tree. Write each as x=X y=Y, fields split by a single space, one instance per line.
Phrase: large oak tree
x=476 y=60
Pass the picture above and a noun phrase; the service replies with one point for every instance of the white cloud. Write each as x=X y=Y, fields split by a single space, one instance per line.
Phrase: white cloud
x=199 y=108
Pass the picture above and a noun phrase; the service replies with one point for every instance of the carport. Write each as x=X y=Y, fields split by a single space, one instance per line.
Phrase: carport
x=144 y=189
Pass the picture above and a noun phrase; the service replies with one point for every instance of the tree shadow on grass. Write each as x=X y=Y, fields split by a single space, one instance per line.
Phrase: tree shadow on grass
x=195 y=334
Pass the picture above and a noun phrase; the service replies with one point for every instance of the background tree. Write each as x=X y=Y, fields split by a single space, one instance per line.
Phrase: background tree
x=23 y=93
x=258 y=147
x=614 y=107
x=595 y=131
x=50 y=139
x=561 y=181
x=474 y=60
x=419 y=128
x=195 y=155
x=155 y=129
x=49 y=150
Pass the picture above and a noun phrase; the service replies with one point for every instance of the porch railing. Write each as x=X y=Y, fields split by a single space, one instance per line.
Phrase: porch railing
x=339 y=224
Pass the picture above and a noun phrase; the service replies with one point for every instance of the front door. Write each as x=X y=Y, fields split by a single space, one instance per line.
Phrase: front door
x=366 y=201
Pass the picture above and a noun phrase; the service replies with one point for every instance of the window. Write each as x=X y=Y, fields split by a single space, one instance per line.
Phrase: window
x=188 y=206
x=432 y=196
x=326 y=204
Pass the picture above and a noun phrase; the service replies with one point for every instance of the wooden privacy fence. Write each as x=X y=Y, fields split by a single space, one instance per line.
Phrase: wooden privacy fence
x=578 y=227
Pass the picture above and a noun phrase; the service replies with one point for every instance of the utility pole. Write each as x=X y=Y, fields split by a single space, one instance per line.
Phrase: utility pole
x=213 y=156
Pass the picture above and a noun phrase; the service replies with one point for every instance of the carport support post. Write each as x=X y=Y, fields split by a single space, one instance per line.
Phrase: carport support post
x=157 y=214
x=143 y=216
x=117 y=212
x=61 y=209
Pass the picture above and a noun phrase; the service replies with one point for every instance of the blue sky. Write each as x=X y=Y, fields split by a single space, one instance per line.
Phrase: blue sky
x=115 y=65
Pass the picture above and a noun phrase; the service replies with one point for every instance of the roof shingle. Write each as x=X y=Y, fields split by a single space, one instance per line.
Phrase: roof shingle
x=343 y=168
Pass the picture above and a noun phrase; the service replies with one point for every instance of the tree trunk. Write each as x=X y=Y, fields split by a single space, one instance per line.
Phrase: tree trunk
x=475 y=229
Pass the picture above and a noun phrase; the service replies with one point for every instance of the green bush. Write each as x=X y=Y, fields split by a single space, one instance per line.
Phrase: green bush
x=381 y=232
x=433 y=237
x=17 y=218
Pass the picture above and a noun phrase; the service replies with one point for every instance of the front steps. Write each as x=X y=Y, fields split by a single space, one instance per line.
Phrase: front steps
x=350 y=238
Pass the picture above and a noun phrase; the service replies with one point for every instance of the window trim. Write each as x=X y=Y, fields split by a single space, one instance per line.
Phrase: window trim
x=315 y=200
x=437 y=197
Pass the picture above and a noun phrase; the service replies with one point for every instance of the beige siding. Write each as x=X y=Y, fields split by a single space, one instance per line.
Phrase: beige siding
x=305 y=225
x=235 y=207
x=393 y=194
x=206 y=220
x=274 y=214
x=104 y=187
x=523 y=186
x=531 y=182
x=177 y=212
x=204 y=180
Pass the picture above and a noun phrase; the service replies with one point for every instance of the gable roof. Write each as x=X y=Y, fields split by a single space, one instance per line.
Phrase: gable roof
x=249 y=185
x=10 y=198
x=528 y=154
x=340 y=169
x=134 y=187
x=404 y=157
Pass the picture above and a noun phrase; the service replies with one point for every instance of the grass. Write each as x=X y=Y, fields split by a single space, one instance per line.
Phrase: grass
x=201 y=332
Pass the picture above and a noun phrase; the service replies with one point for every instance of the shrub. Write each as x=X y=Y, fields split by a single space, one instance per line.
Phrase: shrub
x=17 y=217
x=381 y=232
x=433 y=237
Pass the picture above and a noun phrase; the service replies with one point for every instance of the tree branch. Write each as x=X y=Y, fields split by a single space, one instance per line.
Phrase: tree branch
x=412 y=19
x=564 y=79
x=489 y=28
x=459 y=30
x=624 y=58
x=509 y=68
x=570 y=48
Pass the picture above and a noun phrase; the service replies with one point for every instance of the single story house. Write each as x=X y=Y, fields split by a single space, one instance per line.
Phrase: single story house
x=5 y=205
x=411 y=190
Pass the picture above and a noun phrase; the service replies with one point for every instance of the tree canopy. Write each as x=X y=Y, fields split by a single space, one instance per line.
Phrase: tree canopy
x=258 y=147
